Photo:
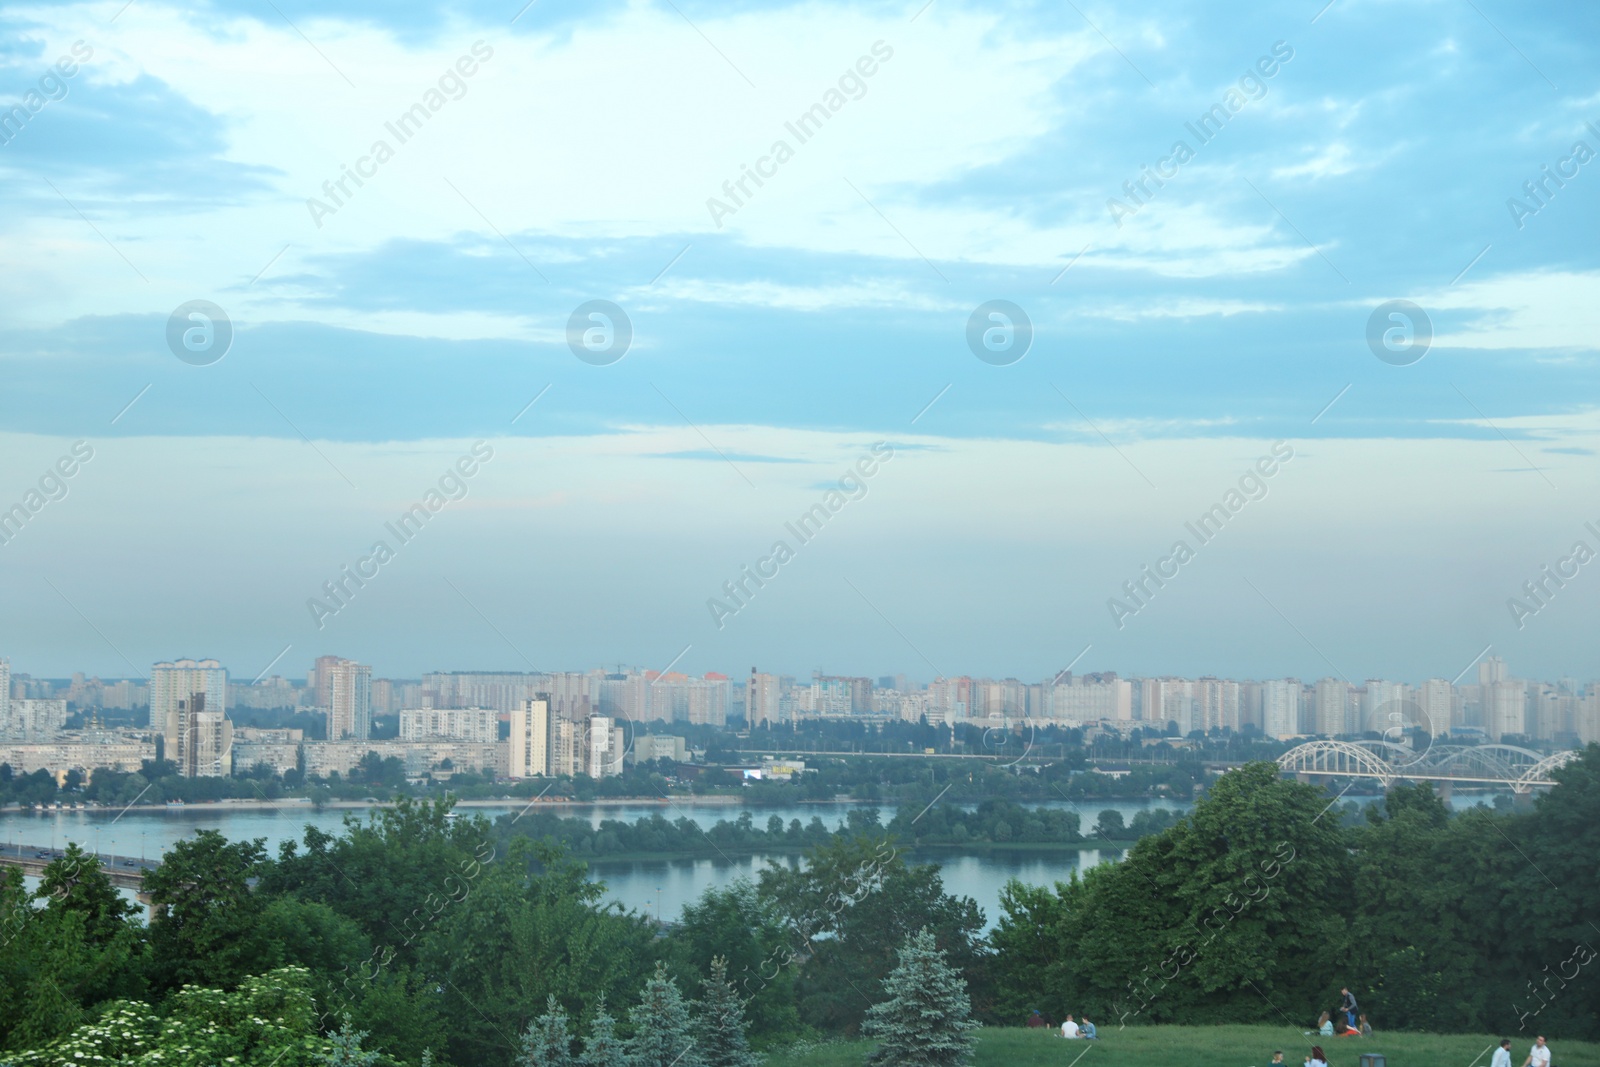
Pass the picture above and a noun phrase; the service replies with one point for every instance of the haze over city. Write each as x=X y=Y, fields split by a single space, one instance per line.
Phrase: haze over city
x=799 y=533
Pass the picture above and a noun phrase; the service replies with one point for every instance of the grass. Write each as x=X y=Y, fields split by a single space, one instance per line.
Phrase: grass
x=1212 y=1046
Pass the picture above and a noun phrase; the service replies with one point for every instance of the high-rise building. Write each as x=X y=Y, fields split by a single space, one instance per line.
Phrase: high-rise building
x=1280 y=708
x=344 y=692
x=199 y=741
x=606 y=747
x=5 y=689
x=1385 y=710
x=1332 y=703
x=1436 y=707
x=33 y=721
x=531 y=729
x=178 y=680
x=761 y=699
x=1505 y=708
x=1491 y=670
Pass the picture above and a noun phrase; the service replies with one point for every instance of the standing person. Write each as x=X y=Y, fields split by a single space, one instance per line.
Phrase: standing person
x=1347 y=1004
x=1502 y=1055
x=1317 y=1058
x=1069 y=1029
x=1539 y=1055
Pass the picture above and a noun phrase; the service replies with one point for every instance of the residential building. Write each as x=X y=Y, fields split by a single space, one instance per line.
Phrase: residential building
x=1331 y=700
x=762 y=699
x=454 y=724
x=33 y=721
x=531 y=730
x=199 y=740
x=344 y=693
x=1505 y=708
x=171 y=682
x=650 y=747
x=1280 y=708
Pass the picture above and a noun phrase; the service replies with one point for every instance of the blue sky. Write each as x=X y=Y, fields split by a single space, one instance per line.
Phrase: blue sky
x=772 y=346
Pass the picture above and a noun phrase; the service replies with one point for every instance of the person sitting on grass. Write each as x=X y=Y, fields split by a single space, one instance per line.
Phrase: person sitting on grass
x=1089 y=1031
x=1325 y=1024
x=1277 y=1057
x=1366 y=1027
x=1036 y=1020
x=1317 y=1058
x=1069 y=1029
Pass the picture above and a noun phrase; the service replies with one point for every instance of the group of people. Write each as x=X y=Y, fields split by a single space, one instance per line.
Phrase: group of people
x=1070 y=1027
x=1538 y=1055
x=1346 y=1022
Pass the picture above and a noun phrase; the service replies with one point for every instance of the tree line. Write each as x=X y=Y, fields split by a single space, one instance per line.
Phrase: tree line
x=413 y=937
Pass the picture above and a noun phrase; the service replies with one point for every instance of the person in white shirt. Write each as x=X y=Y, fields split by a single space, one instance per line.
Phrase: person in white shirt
x=1502 y=1055
x=1069 y=1029
x=1539 y=1055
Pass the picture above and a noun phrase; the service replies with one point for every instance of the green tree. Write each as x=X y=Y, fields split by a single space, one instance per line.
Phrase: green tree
x=546 y=1042
x=1110 y=825
x=722 y=1039
x=927 y=1019
x=748 y=932
x=515 y=937
x=1240 y=905
x=603 y=1048
x=206 y=928
x=852 y=905
x=663 y=1033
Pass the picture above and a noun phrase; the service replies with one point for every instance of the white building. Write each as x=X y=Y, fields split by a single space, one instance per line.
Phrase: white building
x=344 y=692
x=33 y=721
x=455 y=724
x=1437 y=706
x=117 y=752
x=530 y=739
x=1086 y=699
x=199 y=740
x=179 y=680
x=1331 y=707
x=1505 y=708
x=1280 y=708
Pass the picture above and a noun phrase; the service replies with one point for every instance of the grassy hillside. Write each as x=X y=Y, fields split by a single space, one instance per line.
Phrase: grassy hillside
x=1216 y=1046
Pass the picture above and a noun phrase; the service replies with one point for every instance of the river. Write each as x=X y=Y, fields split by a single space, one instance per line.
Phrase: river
x=657 y=887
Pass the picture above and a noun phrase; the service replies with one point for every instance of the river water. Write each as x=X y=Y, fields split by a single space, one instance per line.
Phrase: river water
x=657 y=887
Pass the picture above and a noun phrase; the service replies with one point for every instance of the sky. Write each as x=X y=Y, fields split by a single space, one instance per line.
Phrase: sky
x=1351 y=244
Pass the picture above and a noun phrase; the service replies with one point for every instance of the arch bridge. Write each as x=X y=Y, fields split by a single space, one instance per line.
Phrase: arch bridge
x=1519 y=769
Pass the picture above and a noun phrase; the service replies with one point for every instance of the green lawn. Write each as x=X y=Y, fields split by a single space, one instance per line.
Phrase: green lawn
x=1215 y=1046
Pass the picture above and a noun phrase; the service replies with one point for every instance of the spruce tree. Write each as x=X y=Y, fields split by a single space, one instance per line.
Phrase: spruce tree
x=347 y=1050
x=721 y=1022
x=663 y=1034
x=546 y=1043
x=926 y=1022
x=603 y=1048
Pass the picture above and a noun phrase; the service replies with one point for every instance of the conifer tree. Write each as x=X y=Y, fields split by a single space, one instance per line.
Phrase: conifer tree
x=663 y=1033
x=926 y=1022
x=723 y=1042
x=546 y=1042
x=603 y=1048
